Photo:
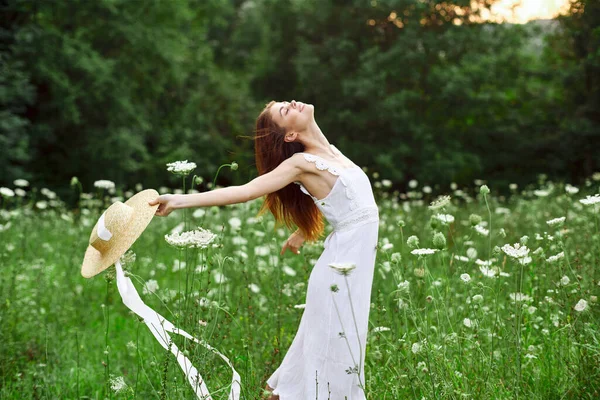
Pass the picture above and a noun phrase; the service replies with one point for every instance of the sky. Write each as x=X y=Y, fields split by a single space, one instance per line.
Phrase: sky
x=527 y=10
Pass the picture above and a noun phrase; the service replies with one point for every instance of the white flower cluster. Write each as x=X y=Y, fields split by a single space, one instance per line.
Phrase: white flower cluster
x=444 y=218
x=380 y=329
x=151 y=286
x=199 y=238
x=117 y=383
x=556 y=221
x=423 y=252
x=581 y=305
x=556 y=257
x=343 y=268
x=440 y=202
x=21 y=182
x=571 y=189
x=104 y=184
x=595 y=199
x=517 y=251
x=4 y=191
x=481 y=230
x=181 y=167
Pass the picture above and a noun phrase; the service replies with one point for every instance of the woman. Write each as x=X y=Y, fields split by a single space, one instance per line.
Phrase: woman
x=326 y=357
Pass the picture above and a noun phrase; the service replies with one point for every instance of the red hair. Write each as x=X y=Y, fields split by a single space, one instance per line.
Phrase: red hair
x=288 y=205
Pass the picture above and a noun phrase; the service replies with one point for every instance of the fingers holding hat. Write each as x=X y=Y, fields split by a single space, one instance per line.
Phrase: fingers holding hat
x=166 y=204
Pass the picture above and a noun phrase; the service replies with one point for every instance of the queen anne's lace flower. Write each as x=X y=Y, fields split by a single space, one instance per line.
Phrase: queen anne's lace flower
x=104 y=184
x=199 y=238
x=481 y=230
x=4 y=191
x=342 y=268
x=117 y=383
x=423 y=252
x=151 y=286
x=517 y=251
x=440 y=202
x=21 y=182
x=589 y=200
x=444 y=218
x=571 y=189
x=181 y=167
x=556 y=221
x=581 y=305
x=555 y=258
x=381 y=329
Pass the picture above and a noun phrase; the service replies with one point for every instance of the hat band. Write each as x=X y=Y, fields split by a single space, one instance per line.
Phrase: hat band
x=159 y=326
x=103 y=233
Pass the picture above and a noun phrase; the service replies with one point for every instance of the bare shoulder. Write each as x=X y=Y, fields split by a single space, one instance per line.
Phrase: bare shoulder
x=298 y=161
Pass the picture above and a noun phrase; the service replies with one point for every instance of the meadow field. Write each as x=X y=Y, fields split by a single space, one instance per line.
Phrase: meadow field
x=475 y=296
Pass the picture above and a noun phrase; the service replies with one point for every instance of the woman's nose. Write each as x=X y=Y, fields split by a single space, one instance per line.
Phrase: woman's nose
x=293 y=103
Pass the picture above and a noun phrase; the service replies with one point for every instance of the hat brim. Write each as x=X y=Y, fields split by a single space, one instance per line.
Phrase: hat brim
x=95 y=262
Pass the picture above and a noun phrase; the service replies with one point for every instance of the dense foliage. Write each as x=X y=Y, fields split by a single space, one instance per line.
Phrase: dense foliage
x=419 y=89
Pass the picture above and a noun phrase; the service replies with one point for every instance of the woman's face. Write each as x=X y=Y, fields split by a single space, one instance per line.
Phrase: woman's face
x=294 y=116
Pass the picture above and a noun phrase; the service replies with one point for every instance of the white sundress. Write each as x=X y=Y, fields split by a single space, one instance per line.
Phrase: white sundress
x=317 y=363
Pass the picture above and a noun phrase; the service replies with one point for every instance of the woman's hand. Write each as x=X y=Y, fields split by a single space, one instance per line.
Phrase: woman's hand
x=167 y=203
x=293 y=243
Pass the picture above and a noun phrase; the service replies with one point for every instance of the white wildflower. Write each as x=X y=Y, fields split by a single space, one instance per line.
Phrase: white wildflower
x=565 y=280
x=117 y=383
x=465 y=277
x=595 y=199
x=519 y=297
x=571 y=189
x=254 y=287
x=468 y=323
x=555 y=258
x=235 y=223
x=300 y=306
x=461 y=258
x=342 y=268
x=104 y=184
x=289 y=270
x=381 y=329
x=444 y=218
x=21 y=183
x=488 y=272
x=472 y=253
x=556 y=221
x=151 y=286
x=517 y=251
x=416 y=347
x=199 y=238
x=181 y=167
x=481 y=230
x=581 y=305
x=404 y=287
x=440 y=202
x=423 y=252
x=4 y=191
x=542 y=193
x=412 y=183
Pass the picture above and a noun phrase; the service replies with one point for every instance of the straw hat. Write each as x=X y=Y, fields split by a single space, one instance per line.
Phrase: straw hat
x=116 y=230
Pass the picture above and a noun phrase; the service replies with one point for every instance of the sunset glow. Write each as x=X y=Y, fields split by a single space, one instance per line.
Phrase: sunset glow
x=521 y=11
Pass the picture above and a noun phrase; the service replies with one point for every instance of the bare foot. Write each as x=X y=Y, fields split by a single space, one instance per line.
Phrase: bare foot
x=272 y=396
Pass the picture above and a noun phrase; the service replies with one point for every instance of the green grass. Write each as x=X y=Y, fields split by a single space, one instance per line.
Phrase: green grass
x=57 y=325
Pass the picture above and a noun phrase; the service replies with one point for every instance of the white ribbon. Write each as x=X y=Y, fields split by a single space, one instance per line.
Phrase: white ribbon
x=159 y=327
x=103 y=233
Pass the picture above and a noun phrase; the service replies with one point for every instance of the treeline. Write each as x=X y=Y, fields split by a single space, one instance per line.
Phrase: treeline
x=416 y=89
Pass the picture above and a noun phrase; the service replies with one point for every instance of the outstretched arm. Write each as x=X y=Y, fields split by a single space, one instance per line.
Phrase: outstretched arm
x=285 y=173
